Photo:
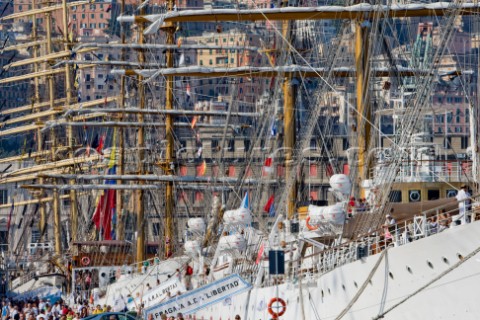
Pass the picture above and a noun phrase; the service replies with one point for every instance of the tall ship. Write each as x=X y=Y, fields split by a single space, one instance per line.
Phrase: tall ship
x=266 y=160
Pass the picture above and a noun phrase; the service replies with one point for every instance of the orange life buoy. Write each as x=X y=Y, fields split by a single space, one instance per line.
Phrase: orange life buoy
x=283 y=307
x=85 y=261
x=309 y=226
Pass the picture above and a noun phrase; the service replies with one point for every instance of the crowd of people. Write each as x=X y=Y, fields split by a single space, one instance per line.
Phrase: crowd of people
x=42 y=309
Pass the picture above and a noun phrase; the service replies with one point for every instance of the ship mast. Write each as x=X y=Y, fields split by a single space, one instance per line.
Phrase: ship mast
x=121 y=160
x=168 y=165
x=141 y=152
x=289 y=124
x=362 y=66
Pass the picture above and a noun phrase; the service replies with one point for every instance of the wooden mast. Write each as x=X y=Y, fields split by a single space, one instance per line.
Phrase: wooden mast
x=42 y=220
x=141 y=153
x=169 y=28
x=289 y=124
x=362 y=65
x=56 y=205
x=121 y=160
x=70 y=138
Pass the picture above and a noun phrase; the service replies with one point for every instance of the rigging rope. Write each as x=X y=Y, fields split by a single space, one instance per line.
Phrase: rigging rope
x=363 y=287
x=441 y=275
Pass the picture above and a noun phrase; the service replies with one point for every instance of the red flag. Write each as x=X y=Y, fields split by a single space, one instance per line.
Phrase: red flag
x=260 y=254
x=104 y=212
x=267 y=167
x=269 y=204
x=109 y=8
x=100 y=144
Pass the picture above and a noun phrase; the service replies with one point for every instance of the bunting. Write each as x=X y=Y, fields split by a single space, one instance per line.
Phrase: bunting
x=101 y=143
x=267 y=167
x=273 y=128
x=105 y=213
x=269 y=204
x=260 y=254
x=245 y=203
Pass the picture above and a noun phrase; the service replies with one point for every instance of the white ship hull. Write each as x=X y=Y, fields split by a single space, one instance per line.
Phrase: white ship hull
x=403 y=270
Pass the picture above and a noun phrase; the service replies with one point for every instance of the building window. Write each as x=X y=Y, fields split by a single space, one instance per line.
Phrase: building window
x=156 y=229
x=20 y=8
x=100 y=87
x=464 y=142
x=92 y=16
x=87 y=76
x=211 y=62
x=83 y=15
x=101 y=15
x=214 y=145
x=198 y=196
x=231 y=144
x=447 y=143
x=201 y=63
x=3 y=196
x=100 y=76
x=345 y=144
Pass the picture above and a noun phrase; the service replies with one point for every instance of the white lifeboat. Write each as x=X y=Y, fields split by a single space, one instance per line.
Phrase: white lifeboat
x=196 y=224
x=232 y=242
x=238 y=216
x=341 y=183
x=192 y=247
x=330 y=214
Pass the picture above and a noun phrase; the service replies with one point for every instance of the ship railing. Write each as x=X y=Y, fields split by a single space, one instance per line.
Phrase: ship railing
x=426 y=224
x=431 y=171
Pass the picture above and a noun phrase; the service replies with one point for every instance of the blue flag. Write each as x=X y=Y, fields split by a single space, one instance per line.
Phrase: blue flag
x=245 y=201
x=273 y=128
x=271 y=212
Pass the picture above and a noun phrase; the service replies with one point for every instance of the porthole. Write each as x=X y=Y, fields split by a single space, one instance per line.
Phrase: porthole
x=460 y=257
x=409 y=269
x=415 y=195
x=429 y=264
x=391 y=275
x=355 y=284
x=446 y=260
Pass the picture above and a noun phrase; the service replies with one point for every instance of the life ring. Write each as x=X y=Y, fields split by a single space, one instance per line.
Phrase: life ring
x=309 y=226
x=414 y=196
x=283 y=307
x=85 y=261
